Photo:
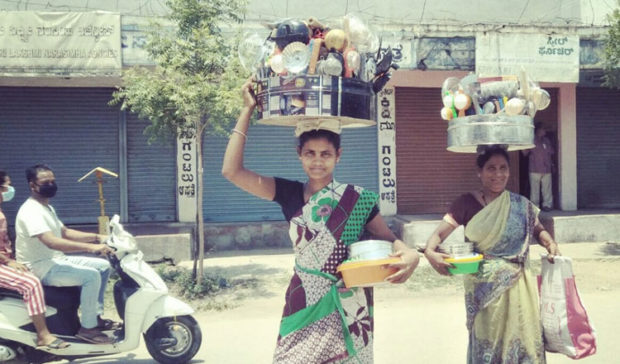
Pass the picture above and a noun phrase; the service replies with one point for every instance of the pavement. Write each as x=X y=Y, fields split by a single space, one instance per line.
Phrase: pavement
x=421 y=321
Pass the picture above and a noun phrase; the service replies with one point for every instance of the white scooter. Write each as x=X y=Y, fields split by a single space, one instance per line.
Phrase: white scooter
x=141 y=297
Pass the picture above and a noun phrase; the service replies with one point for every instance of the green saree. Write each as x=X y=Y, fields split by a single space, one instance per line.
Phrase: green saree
x=501 y=300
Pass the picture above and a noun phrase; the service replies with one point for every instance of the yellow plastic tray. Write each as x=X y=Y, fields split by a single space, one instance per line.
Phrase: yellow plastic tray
x=474 y=258
x=366 y=273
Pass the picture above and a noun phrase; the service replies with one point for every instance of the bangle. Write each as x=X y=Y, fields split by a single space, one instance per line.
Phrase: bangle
x=240 y=133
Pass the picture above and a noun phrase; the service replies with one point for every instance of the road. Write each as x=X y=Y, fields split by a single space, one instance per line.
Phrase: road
x=414 y=323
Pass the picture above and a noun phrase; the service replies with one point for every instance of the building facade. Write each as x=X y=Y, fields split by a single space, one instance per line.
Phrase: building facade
x=60 y=115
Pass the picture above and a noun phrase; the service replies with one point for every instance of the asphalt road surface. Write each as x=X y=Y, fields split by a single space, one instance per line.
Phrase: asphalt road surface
x=422 y=321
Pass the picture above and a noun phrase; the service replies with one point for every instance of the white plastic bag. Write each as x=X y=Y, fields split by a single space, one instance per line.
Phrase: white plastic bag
x=566 y=327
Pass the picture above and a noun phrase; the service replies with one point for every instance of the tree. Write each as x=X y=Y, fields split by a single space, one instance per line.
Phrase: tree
x=193 y=89
x=611 y=58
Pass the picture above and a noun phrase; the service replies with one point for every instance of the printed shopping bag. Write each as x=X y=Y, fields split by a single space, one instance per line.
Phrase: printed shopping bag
x=566 y=327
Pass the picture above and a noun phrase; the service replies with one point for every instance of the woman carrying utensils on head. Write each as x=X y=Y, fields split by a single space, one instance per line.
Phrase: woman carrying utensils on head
x=501 y=298
x=322 y=320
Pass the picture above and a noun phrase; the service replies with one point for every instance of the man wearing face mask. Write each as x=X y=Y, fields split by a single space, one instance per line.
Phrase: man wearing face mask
x=41 y=244
x=15 y=276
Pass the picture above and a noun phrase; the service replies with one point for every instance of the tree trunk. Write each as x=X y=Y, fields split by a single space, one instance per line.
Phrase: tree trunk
x=199 y=217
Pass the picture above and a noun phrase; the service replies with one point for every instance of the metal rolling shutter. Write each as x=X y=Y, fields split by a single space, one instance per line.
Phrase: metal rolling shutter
x=73 y=130
x=271 y=151
x=151 y=175
x=430 y=177
x=598 y=150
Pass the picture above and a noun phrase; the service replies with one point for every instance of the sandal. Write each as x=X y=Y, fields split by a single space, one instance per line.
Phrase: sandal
x=107 y=324
x=94 y=336
x=56 y=344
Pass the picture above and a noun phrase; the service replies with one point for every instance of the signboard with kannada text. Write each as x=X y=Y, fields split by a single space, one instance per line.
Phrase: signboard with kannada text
x=387 y=151
x=60 y=44
x=545 y=58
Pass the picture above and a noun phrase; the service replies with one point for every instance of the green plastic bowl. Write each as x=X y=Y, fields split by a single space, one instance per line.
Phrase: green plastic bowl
x=465 y=265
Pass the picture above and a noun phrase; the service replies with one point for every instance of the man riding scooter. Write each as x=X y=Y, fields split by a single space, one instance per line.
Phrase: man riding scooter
x=41 y=243
x=16 y=277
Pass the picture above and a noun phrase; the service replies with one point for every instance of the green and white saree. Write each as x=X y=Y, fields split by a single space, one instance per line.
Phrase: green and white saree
x=324 y=322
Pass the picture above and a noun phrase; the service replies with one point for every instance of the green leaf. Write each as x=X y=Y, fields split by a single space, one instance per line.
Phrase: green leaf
x=195 y=81
x=611 y=55
x=194 y=84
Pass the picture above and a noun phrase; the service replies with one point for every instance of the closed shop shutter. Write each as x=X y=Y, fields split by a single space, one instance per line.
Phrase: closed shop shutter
x=598 y=150
x=73 y=131
x=430 y=177
x=151 y=175
x=270 y=151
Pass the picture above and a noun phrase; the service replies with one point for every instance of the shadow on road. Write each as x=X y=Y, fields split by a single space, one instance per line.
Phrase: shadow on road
x=611 y=248
x=118 y=359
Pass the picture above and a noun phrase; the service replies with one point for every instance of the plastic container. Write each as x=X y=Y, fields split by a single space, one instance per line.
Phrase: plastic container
x=370 y=249
x=366 y=273
x=285 y=101
x=465 y=265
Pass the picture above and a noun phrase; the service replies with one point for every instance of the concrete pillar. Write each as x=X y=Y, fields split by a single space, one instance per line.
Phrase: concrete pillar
x=186 y=178
x=567 y=149
x=386 y=136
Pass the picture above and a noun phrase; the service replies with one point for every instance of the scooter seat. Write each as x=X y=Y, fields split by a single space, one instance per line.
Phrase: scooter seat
x=67 y=297
x=4 y=292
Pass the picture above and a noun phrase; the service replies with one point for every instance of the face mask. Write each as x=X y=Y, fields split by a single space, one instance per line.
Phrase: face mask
x=48 y=190
x=8 y=195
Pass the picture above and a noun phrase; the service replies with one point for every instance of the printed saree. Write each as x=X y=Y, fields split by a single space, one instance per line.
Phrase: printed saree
x=501 y=300
x=323 y=322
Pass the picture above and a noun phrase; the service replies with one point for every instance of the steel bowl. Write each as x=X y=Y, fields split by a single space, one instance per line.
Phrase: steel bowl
x=466 y=133
x=370 y=249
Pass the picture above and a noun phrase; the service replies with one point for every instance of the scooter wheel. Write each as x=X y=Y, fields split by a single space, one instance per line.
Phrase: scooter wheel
x=173 y=340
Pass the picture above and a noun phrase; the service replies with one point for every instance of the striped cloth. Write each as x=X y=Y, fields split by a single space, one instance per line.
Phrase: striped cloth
x=24 y=283
x=27 y=285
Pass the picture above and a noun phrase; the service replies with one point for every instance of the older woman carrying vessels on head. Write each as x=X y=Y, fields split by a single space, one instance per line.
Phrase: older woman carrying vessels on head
x=322 y=322
x=501 y=299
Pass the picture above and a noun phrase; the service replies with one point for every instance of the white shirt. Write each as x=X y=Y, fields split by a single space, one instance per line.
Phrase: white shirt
x=33 y=219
